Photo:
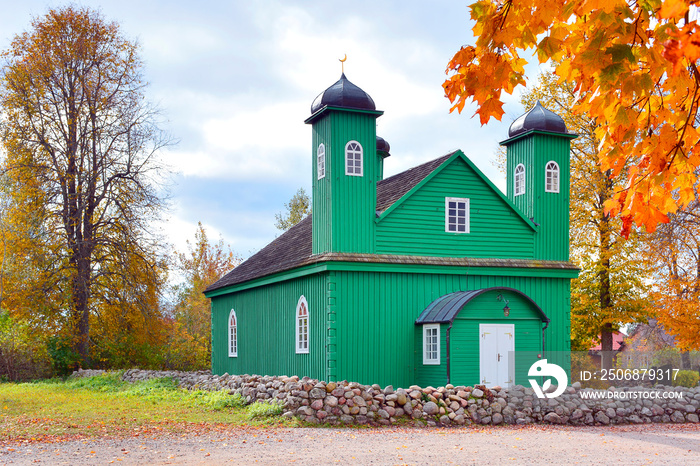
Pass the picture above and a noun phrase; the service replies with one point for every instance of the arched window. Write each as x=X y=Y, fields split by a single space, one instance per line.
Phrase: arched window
x=519 y=179
x=321 y=161
x=551 y=180
x=353 y=158
x=302 y=326
x=232 y=335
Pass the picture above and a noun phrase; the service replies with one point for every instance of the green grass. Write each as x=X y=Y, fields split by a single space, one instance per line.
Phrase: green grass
x=105 y=405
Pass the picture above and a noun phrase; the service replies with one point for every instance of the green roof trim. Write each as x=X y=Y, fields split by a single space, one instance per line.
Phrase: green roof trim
x=537 y=131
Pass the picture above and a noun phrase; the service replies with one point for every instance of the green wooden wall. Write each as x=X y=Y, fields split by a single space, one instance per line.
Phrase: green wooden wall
x=266 y=329
x=417 y=226
x=430 y=374
x=344 y=206
x=486 y=309
x=549 y=210
x=374 y=317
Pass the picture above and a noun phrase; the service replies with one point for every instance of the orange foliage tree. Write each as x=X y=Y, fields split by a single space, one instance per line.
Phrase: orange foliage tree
x=633 y=65
x=674 y=249
x=80 y=145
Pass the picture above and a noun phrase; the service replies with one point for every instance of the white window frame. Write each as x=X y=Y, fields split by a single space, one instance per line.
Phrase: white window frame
x=355 y=153
x=431 y=356
x=519 y=187
x=232 y=334
x=302 y=328
x=321 y=161
x=551 y=172
x=448 y=223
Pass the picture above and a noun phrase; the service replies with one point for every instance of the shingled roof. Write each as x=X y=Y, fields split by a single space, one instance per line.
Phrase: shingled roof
x=293 y=247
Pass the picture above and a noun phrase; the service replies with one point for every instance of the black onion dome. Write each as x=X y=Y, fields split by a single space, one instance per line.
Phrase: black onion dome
x=382 y=145
x=537 y=118
x=343 y=94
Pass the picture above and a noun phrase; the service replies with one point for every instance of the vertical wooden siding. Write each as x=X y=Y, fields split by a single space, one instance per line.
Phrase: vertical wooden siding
x=417 y=226
x=549 y=210
x=375 y=317
x=266 y=329
x=344 y=205
x=486 y=309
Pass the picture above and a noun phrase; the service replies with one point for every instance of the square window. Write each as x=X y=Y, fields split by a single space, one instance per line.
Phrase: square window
x=456 y=215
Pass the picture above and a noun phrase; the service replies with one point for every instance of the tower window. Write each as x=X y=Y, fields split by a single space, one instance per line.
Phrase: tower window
x=302 y=326
x=519 y=179
x=353 y=158
x=321 y=161
x=232 y=335
x=456 y=215
x=551 y=184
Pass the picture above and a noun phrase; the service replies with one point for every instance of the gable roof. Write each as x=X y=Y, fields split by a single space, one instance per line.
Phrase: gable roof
x=293 y=247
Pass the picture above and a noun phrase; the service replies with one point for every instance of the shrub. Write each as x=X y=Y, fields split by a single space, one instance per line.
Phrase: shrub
x=686 y=379
x=63 y=358
x=23 y=355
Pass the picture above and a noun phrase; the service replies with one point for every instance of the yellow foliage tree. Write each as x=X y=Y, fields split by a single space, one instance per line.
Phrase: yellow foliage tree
x=80 y=143
x=201 y=265
x=633 y=65
x=611 y=289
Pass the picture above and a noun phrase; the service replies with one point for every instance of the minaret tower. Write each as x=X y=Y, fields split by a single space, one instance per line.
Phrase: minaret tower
x=538 y=171
x=346 y=168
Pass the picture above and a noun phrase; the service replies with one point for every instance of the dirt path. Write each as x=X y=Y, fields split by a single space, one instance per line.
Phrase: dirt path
x=655 y=444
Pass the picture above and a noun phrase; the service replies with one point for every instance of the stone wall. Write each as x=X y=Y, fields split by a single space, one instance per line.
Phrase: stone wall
x=352 y=403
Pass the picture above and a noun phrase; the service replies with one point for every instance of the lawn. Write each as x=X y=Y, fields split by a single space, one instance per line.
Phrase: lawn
x=105 y=406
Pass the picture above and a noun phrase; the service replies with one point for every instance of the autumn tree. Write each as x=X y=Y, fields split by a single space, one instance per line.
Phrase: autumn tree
x=635 y=63
x=611 y=288
x=674 y=251
x=299 y=206
x=201 y=265
x=76 y=121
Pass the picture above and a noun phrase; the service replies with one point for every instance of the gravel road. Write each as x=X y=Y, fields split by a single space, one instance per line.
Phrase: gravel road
x=649 y=444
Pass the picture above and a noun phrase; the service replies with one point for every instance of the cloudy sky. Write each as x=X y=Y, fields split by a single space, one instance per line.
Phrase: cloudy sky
x=235 y=80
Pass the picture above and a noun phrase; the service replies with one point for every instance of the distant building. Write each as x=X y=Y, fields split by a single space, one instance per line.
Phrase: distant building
x=431 y=276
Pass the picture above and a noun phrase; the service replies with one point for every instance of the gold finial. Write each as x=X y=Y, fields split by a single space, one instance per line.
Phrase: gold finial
x=342 y=63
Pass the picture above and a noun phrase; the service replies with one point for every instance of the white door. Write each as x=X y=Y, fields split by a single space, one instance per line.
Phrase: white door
x=496 y=347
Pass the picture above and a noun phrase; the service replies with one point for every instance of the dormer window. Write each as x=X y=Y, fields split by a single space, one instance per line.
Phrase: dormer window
x=519 y=180
x=551 y=184
x=321 y=161
x=353 y=158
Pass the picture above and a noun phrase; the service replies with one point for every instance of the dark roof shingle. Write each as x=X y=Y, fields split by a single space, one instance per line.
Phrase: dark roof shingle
x=293 y=247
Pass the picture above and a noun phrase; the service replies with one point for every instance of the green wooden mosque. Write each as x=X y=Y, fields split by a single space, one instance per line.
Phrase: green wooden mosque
x=428 y=277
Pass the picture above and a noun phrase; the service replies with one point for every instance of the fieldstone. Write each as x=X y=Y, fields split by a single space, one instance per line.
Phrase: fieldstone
x=305 y=411
x=321 y=414
x=331 y=401
x=401 y=398
x=383 y=414
x=692 y=417
x=577 y=414
x=317 y=404
x=552 y=418
x=611 y=413
x=602 y=418
x=359 y=401
x=477 y=393
x=496 y=419
x=677 y=417
x=430 y=408
x=317 y=393
x=330 y=386
x=444 y=420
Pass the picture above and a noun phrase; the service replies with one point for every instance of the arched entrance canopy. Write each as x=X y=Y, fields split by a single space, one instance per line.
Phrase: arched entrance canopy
x=445 y=308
